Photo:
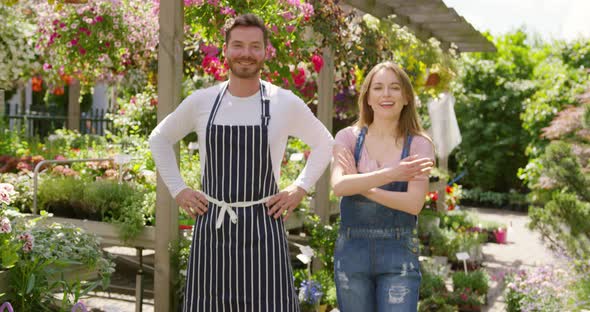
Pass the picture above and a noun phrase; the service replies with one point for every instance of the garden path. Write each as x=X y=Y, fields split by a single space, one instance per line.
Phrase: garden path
x=524 y=249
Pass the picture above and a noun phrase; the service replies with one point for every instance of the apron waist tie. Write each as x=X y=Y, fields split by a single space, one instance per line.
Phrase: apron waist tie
x=227 y=208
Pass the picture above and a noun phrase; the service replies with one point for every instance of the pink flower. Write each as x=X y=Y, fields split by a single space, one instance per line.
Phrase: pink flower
x=463 y=297
x=99 y=19
x=318 y=62
x=288 y=16
x=307 y=11
x=47 y=67
x=82 y=50
x=290 y=28
x=74 y=42
x=298 y=77
x=228 y=11
x=209 y=49
x=270 y=51
x=5 y=226
x=28 y=241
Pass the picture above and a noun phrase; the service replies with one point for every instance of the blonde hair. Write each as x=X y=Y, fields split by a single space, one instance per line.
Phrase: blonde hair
x=409 y=121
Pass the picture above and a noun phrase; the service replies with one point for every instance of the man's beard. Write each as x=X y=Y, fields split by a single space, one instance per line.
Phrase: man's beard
x=243 y=72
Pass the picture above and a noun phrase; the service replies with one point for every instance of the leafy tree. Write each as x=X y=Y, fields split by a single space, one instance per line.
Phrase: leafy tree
x=491 y=91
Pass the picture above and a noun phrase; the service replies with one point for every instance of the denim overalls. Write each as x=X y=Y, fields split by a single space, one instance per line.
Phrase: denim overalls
x=376 y=264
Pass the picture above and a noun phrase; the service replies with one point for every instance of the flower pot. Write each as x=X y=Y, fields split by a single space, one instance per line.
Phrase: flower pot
x=500 y=236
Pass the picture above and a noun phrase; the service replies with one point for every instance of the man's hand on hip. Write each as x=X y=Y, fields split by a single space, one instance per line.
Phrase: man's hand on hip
x=192 y=202
x=285 y=201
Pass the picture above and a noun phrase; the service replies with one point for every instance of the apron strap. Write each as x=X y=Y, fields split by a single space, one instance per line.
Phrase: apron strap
x=265 y=117
x=217 y=102
x=360 y=140
x=264 y=103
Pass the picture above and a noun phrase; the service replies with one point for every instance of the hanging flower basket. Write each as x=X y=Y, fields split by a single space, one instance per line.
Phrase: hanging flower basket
x=432 y=80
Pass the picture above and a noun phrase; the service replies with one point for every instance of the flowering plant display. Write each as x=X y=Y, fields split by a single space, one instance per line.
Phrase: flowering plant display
x=544 y=288
x=310 y=295
x=17 y=53
x=96 y=41
x=454 y=195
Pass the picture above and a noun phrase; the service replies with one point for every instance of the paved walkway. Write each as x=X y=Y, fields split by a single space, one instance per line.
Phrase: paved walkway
x=523 y=250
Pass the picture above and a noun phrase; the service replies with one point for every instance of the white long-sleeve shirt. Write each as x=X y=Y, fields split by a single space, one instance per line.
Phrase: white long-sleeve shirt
x=289 y=116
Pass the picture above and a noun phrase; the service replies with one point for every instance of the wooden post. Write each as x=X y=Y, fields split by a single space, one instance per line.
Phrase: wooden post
x=74 y=105
x=442 y=184
x=169 y=93
x=2 y=104
x=325 y=114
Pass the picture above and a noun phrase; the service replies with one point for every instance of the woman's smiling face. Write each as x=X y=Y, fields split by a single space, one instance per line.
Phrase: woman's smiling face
x=386 y=96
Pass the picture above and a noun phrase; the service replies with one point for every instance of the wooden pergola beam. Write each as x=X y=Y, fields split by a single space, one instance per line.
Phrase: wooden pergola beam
x=170 y=53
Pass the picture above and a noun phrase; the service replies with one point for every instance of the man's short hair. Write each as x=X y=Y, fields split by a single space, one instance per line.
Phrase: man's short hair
x=248 y=20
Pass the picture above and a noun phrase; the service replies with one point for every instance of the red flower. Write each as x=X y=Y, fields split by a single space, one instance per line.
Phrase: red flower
x=318 y=62
x=37 y=84
x=298 y=77
x=58 y=91
x=451 y=207
x=433 y=195
x=449 y=189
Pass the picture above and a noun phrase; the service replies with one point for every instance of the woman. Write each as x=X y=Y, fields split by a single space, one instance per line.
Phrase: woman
x=381 y=167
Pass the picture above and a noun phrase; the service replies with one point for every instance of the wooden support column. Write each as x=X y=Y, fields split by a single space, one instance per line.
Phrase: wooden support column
x=443 y=165
x=2 y=104
x=325 y=115
x=169 y=96
x=74 y=105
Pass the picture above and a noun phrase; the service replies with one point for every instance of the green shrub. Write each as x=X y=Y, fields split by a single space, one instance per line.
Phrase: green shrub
x=478 y=281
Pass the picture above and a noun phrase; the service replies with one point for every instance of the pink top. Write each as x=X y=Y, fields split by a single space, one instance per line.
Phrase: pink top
x=346 y=137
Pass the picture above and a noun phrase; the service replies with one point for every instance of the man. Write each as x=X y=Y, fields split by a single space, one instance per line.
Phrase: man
x=241 y=262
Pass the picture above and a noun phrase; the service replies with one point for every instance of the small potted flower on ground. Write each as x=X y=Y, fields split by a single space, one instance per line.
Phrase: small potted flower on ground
x=470 y=290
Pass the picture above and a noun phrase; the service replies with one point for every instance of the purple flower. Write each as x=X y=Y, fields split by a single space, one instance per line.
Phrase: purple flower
x=209 y=50
x=310 y=292
x=227 y=11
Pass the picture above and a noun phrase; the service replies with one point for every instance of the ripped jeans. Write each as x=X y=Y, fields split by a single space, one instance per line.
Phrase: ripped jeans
x=377 y=269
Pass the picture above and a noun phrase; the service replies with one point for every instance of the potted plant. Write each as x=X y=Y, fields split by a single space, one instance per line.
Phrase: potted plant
x=470 y=289
x=500 y=235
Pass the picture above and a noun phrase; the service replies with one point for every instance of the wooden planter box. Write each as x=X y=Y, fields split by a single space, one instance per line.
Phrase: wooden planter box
x=72 y=273
x=109 y=233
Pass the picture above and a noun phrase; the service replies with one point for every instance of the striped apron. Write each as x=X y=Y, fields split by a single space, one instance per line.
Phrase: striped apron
x=239 y=257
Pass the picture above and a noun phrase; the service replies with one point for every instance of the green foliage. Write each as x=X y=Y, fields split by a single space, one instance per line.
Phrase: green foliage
x=39 y=273
x=563 y=222
x=137 y=116
x=478 y=281
x=104 y=200
x=431 y=284
x=479 y=198
x=491 y=91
